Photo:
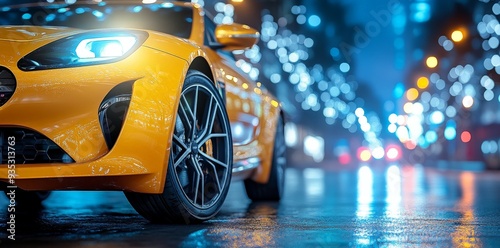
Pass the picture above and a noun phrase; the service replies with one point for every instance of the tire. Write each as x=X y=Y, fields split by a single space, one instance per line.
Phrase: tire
x=200 y=164
x=273 y=189
x=28 y=198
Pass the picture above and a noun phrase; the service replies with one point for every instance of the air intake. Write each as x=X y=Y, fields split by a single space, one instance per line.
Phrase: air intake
x=30 y=148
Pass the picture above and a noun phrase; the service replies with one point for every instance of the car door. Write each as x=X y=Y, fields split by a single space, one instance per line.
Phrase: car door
x=243 y=96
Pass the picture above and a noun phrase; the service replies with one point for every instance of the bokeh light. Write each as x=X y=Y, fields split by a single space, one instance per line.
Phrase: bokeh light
x=364 y=154
x=412 y=94
x=465 y=136
x=457 y=35
x=468 y=101
x=431 y=62
x=456 y=74
x=422 y=82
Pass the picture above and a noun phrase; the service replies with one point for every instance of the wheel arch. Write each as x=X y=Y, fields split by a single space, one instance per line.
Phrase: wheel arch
x=264 y=171
x=201 y=64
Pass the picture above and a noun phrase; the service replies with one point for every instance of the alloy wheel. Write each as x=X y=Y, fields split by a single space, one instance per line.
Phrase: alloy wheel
x=200 y=149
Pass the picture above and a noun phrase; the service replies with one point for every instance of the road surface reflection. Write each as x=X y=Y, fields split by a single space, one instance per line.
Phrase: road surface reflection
x=390 y=205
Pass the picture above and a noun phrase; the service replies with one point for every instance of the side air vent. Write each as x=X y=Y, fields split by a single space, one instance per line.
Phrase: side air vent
x=7 y=85
x=113 y=110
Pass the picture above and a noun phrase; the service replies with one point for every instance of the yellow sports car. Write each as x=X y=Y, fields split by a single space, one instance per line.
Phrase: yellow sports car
x=141 y=98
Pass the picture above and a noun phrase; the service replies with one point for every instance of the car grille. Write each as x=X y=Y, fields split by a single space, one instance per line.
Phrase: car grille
x=30 y=148
x=7 y=85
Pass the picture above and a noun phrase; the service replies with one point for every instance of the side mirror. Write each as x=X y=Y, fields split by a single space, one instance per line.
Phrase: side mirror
x=236 y=36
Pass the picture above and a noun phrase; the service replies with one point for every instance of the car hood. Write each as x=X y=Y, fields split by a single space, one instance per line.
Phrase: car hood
x=25 y=39
x=33 y=33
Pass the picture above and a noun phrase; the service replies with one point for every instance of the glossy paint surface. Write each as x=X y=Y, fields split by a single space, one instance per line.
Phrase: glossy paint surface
x=236 y=36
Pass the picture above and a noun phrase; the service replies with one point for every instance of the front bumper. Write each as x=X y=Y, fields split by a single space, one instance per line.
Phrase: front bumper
x=63 y=105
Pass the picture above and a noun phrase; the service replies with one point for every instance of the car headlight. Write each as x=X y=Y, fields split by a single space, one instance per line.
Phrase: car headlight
x=92 y=48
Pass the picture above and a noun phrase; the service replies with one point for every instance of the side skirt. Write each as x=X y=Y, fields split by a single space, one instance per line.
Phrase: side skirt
x=243 y=169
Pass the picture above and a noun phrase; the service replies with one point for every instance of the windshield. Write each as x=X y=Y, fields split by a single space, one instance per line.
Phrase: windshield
x=165 y=18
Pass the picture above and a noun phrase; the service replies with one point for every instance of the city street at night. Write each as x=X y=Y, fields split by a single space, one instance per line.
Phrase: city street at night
x=249 y=123
x=388 y=206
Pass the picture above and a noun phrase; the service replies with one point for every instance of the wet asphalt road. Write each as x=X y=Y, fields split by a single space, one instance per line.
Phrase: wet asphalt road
x=390 y=206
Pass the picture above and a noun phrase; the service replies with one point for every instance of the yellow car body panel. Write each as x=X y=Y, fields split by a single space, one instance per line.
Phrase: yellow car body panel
x=62 y=104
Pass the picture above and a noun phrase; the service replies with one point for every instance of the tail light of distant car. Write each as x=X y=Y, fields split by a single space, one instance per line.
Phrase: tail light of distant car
x=364 y=154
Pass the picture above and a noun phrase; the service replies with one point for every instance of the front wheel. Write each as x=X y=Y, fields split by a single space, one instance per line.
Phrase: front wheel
x=273 y=189
x=200 y=163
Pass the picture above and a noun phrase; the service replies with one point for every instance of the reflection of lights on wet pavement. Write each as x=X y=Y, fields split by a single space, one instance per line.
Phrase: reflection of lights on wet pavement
x=393 y=188
x=465 y=233
x=314 y=182
x=392 y=206
x=364 y=192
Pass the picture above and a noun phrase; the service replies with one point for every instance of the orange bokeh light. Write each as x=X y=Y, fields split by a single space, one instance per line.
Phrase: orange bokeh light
x=422 y=82
x=412 y=94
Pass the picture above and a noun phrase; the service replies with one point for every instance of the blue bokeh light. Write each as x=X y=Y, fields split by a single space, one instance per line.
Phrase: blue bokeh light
x=314 y=21
x=421 y=11
x=399 y=90
x=26 y=16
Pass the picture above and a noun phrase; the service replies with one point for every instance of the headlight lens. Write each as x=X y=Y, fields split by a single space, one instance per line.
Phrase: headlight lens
x=92 y=48
x=103 y=48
